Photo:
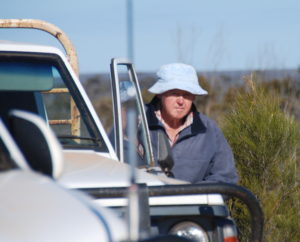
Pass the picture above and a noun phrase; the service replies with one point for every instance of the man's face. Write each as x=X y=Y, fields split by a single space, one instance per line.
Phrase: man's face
x=176 y=104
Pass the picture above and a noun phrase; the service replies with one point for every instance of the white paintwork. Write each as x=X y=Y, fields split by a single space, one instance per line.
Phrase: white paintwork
x=167 y=200
x=187 y=200
x=34 y=208
x=86 y=169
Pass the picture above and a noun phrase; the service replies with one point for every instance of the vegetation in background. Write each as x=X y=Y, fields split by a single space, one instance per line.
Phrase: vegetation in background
x=265 y=141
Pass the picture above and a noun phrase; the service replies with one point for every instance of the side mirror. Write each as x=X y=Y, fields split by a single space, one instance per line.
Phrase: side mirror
x=164 y=154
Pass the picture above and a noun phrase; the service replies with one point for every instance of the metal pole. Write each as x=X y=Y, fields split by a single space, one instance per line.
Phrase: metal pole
x=130 y=30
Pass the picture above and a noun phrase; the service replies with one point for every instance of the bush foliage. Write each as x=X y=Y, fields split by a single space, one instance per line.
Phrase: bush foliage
x=265 y=141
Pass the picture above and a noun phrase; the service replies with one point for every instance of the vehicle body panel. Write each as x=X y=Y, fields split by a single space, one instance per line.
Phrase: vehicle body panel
x=90 y=169
x=34 y=208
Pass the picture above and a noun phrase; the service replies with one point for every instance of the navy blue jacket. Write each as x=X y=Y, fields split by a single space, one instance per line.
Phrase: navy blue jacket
x=201 y=152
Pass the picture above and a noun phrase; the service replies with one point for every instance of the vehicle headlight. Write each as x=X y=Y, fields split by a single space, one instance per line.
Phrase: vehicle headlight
x=190 y=230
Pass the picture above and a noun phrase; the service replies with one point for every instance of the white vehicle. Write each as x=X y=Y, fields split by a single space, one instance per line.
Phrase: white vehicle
x=33 y=206
x=41 y=80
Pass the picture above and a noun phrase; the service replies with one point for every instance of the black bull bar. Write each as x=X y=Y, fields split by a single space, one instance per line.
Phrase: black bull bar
x=230 y=190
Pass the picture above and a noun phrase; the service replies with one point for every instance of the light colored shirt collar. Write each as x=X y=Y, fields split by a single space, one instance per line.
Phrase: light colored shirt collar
x=187 y=122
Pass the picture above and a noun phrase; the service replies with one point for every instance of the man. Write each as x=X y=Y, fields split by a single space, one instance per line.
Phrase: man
x=199 y=148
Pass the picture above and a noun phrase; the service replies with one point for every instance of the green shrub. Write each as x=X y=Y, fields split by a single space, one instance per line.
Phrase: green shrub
x=265 y=140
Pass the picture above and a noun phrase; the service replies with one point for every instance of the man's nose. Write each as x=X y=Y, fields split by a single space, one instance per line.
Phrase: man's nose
x=180 y=99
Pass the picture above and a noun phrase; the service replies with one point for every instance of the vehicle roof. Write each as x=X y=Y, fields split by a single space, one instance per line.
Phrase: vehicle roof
x=28 y=47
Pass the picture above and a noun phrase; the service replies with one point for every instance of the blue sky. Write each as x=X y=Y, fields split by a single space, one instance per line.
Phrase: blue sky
x=211 y=34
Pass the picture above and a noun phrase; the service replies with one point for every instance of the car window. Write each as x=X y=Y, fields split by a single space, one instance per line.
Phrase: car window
x=59 y=102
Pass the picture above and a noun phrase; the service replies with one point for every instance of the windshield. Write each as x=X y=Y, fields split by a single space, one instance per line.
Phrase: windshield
x=59 y=102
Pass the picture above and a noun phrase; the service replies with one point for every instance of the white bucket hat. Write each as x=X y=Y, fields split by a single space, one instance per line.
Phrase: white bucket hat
x=177 y=76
